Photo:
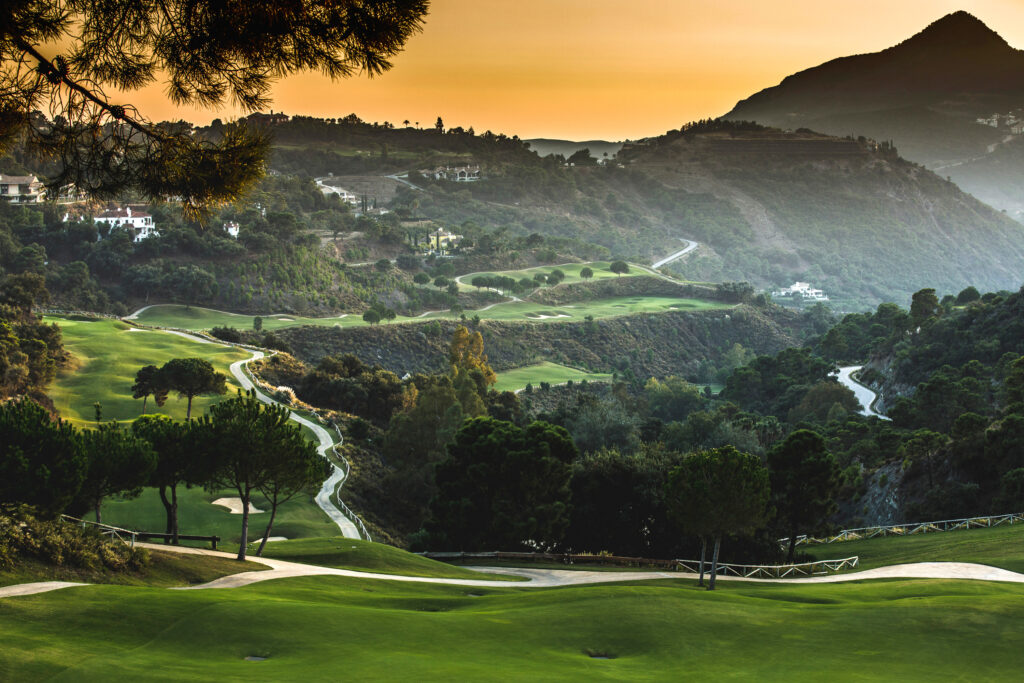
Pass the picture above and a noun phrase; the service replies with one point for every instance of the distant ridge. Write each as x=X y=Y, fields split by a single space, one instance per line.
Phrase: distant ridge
x=925 y=94
x=954 y=56
x=598 y=148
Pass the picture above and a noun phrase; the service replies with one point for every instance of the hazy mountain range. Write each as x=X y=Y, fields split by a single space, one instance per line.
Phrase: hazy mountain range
x=927 y=95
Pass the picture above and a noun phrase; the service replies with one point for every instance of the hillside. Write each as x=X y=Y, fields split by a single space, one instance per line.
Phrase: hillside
x=925 y=94
x=849 y=215
x=647 y=345
x=598 y=148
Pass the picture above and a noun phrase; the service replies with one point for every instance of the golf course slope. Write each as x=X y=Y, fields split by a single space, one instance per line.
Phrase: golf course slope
x=358 y=628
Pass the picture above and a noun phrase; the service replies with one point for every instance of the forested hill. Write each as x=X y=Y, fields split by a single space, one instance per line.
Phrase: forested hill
x=926 y=95
x=849 y=215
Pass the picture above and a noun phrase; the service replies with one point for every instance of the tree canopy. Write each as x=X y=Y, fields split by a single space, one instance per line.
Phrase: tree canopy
x=205 y=54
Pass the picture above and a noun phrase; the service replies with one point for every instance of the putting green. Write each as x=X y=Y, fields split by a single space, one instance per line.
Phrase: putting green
x=320 y=628
x=108 y=353
x=514 y=380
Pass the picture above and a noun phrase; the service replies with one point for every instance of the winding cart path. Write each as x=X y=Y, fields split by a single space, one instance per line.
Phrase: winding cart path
x=543 y=578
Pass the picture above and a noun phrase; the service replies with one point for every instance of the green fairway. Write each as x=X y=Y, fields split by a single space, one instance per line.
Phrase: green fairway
x=108 y=353
x=331 y=628
x=571 y=270
x=298 y=518
x=173 y=315
x=197 y=318
x=347 y=553
x=598 y=308
x=514 y=380
x=1001 y=546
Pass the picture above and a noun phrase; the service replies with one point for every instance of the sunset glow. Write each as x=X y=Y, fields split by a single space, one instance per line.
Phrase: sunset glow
x=585 y=69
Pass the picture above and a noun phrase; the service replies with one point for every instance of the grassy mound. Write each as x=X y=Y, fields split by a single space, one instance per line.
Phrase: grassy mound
x=315 y=627
x=347 y=553
x=34 y=549
x=1001 y=547
x=164 y=568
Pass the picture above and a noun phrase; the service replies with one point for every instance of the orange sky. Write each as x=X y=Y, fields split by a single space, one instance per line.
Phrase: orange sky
x=584 y=69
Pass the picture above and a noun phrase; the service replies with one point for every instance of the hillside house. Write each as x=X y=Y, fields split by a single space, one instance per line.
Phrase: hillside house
x=454 y=174
x=231 y=228
x=441 y=241
x=21 y=189
x=138 y=223
x=804 y=290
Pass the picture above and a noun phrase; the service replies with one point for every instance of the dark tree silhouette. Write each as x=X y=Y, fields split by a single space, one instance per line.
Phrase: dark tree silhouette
x=205 y=53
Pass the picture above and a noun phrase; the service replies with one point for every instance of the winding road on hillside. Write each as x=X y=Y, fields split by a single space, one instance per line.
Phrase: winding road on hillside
x=324 y=497
x=690 y=246
x=866 y=397
x=540 y=578
x=338 y=475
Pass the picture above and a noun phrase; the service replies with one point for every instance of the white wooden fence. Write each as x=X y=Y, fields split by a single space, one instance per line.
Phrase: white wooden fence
x=910 y=529
x=124 y=535
x=772 y=571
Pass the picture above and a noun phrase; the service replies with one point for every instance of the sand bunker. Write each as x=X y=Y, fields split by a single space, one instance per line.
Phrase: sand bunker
x=541 y=316
x=234 y=506
x=286 y=320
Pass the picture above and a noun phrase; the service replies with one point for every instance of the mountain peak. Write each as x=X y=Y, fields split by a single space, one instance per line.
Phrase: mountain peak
x=957 y=30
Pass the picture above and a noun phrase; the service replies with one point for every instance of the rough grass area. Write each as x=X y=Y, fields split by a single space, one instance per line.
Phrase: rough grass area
x=164 y=569
x=298 y=518
x=1001 y=546
x=347 y=553
x=323 y=628
x=108 y=353
x=514 y=380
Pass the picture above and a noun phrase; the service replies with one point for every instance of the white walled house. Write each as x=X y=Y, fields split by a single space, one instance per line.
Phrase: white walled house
x=138 y=223
x=231 y=228
x=804 y=290
x=21 y=189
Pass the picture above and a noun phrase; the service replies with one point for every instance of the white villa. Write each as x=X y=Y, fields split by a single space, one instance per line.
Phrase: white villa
x=455 y=174
x=138 y=223
x=231 y=228
x=21 y=189
x=804 y=290
x=441 y=241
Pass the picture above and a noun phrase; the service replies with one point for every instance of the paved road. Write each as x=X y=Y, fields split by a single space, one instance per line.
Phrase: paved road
x=338 y=475
x=690 y=246
x=866 y=397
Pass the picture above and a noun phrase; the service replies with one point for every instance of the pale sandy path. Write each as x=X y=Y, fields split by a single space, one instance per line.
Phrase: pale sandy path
x=33 y=588
x=545 y=578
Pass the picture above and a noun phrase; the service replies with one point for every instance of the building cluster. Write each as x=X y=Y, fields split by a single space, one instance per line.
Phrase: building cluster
x=455 y=174
x=1012 y=122
x=803 y=289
